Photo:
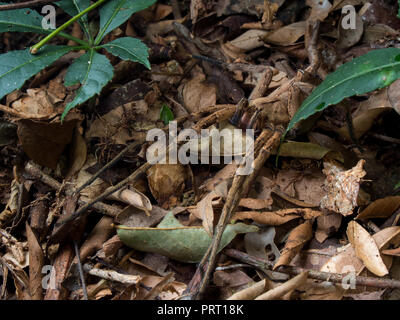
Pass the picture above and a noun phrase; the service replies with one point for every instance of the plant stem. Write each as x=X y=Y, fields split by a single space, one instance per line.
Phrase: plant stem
x=77 y=40
x=41 y=43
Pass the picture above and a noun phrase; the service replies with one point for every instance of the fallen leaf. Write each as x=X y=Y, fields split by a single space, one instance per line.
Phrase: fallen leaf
x=172 y=239
x=366 y=248
x=381 y=208
x=276 y=218
x=327 y=225
x=298 y=237
x=342 y=187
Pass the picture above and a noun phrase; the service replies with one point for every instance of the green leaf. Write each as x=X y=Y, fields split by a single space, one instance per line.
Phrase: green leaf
x=21 y=20
x=128 y=48
x=116 y=12
x=374 y=70
x=73 y=7
x=93 y=71
x=166 y=114
x=397 y=186
x=172 y=239
x=18 y=66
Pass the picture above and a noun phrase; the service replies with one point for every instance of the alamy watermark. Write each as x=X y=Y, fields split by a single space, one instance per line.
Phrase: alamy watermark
x=208 y=146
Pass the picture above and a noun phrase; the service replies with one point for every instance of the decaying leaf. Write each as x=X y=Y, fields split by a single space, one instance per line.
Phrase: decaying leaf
x=166 y=180
x=342 y=187
x=172 y=239
x=327 y=225
x=276 y=218
x=298 y=237
x=381 y=208
x=366 y=249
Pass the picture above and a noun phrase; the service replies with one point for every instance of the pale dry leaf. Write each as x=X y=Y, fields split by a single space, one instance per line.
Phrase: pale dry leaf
x=289 y=286
x=276 y=218
x=287 y=35
x=206 y=212
x=346 y=260
x=341 y=187
x=366 y=249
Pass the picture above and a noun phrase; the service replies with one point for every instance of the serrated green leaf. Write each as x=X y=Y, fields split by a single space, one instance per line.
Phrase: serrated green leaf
x=73 y=7
x=21 y=20
x=374 y=70
x=116 y=12
x=128 y=48
x=172 y=239
x=18 y=66
x=93 y=71
x=166 y=114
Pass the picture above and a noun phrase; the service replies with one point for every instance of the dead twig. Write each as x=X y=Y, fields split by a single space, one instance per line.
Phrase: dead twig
x=265 y=265
x=80 y=270
x=111 y=275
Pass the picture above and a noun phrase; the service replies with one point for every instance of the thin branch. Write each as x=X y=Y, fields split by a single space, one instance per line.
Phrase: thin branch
x=265 y=265
x=80 y=269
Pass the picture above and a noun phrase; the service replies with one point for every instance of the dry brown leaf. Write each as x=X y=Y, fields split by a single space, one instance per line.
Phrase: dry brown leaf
x=36 y=262
x=36 y=104
x=366 y=249
x=366 y=113
x=276 y=218
x=327 y=225
x=255 y=204
x=298 y=237
x=253 y=291
x=346 y=260
x=166 y=180
x=50 y=138
x=197 y=94
x=342 y=187
x=206 y=212
x=249 y=40
x=381 y=208
x=287 y=35
x=134 y=198
x=78 y=153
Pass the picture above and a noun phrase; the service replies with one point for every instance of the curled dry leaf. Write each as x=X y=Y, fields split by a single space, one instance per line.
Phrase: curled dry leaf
x=134 y=198
x=36 y=262
x=298 y=237
x=166 y=180
x=381 y=208
x=206 y=213
x=366 y=249
x=255 y=204
x=276 y=218
x=285 y=288
x=342 y=187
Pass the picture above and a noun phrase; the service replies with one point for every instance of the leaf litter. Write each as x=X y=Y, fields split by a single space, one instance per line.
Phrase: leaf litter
x=329 y=207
